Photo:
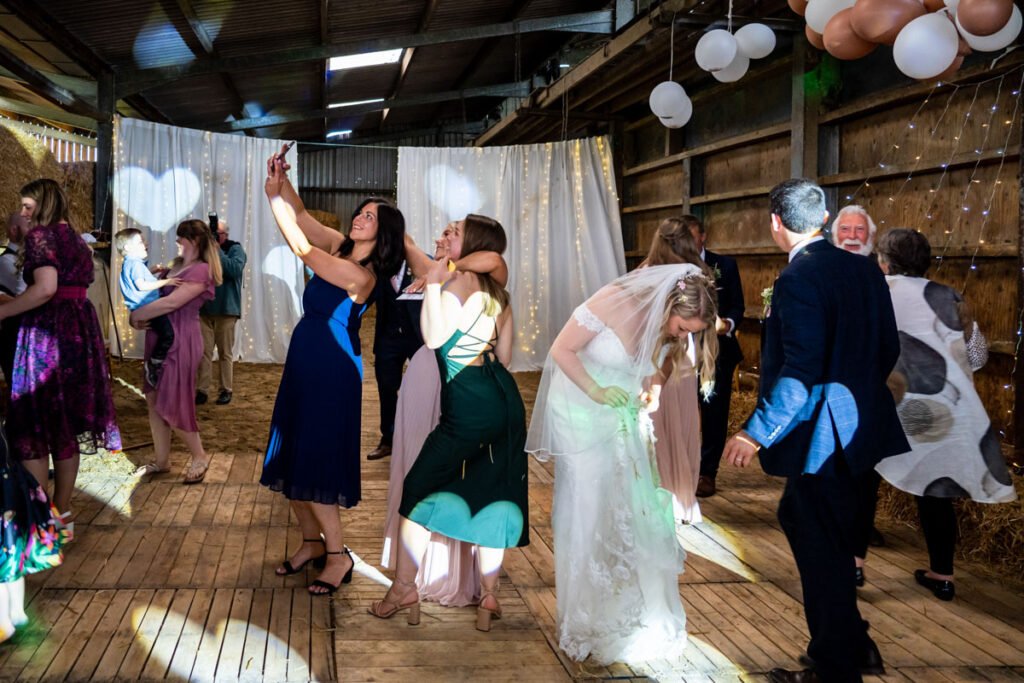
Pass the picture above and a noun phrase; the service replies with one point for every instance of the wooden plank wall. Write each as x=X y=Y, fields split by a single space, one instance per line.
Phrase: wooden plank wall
x=942 y=159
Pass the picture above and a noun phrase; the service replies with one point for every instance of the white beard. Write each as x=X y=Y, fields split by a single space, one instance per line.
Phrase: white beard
x=861 y=248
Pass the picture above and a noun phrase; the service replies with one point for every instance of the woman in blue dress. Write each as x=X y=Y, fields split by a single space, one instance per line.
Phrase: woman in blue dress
x=313 y=453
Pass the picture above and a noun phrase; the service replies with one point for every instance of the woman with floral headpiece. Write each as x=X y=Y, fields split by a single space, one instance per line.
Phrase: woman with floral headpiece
x=617 y=559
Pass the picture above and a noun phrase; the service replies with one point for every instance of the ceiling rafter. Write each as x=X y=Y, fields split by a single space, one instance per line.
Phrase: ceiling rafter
x=428 y=14
x=323 y=72
x=36 y=18
x=38 y=83
x=501 y=90
x=200 y=35
x=131 y=81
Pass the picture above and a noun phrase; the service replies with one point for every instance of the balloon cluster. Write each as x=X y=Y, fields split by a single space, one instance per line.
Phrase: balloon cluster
x=930 y=38
x=725 y=55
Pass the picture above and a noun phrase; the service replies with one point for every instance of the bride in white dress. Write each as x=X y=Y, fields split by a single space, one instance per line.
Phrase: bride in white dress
x=617 y=560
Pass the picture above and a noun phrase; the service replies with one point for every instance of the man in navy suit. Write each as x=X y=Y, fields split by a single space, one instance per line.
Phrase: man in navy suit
x=824 y=419
x=714 y=411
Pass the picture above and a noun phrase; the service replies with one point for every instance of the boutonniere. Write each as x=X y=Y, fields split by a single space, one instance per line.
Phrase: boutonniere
x=717 y=273
x=766 y=301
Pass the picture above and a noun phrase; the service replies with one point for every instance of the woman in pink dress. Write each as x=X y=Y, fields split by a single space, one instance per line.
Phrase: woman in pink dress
x=677 y=420
x=172 y=401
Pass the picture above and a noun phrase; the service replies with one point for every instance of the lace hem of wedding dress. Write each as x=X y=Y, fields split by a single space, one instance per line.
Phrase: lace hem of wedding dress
x=617 y=580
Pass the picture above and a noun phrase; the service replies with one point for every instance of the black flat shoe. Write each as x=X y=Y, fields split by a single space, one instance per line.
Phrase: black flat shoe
x=319 y=561
x=943 y=590
x=331 y=588
x=871 y=665
x=858 y=576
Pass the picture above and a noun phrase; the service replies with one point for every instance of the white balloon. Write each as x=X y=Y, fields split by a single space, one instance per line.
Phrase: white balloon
x=715 y=50
x=667 y=98
x=735 y=71
x=999 y=39
x=819 y=12
x=926 y=46
x=953 y=5
x=755 y=41
x=679 y=118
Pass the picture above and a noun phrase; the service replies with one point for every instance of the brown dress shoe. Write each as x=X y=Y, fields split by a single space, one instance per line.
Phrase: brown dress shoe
x=784 y=676
x=705 y=486
x=381 y=451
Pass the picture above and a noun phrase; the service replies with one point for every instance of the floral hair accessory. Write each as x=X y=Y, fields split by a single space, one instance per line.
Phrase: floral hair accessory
x=681 y=284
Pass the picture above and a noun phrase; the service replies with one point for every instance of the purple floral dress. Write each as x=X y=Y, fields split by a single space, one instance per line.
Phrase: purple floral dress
x=60 y=393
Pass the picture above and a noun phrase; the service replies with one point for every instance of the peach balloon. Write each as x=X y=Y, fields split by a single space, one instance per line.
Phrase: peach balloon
x=984 y=17
x=964 y=49
x=798 y=6
x=880 y=21
x=841 y=41
x=934 y=5
x=814 y=38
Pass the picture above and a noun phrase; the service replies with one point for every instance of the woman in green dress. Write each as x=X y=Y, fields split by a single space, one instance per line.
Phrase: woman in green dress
x=469 y=481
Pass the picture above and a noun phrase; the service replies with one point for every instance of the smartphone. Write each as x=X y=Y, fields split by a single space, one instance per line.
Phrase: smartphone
x=287 y=147
x=213 y=224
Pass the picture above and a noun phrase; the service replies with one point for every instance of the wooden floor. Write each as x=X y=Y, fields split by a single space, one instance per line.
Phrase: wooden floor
x=171 y=581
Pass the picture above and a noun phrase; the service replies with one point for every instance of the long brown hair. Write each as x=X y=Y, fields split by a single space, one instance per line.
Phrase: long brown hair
x=480 y=233
x=51 y=201
x=209 y=251
x=696 y=298
x=673 y=243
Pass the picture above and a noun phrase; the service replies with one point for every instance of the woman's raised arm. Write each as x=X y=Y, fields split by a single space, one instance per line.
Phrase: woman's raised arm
x=277 y=184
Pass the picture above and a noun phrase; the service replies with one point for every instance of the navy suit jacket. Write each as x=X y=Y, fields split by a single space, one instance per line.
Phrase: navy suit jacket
x=398 y=322
x=730 y=304
x=830 y=342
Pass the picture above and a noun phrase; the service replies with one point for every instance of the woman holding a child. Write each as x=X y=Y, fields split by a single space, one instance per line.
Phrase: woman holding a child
x=172 y=401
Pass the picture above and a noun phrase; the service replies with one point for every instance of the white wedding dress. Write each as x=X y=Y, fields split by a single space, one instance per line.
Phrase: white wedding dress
x=617 y=559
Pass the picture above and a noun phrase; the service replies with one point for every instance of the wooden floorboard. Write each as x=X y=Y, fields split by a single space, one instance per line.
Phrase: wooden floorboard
x=173 y=582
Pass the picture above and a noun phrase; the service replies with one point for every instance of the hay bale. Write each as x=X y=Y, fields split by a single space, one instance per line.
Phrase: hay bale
x=990 y=536
x=27 y=158
x=326 y=217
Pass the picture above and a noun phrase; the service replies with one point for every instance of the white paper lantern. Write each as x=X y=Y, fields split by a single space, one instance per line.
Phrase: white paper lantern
x=998 y=40
x=735 y=71
x=820 y=12
x=667 y=99
x=926 y=46
x=679 y=118
x=715 y=50
x=755 y=41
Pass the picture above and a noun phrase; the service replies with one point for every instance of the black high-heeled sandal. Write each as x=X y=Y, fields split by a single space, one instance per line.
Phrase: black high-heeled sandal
x=319 y=561
x=332 y=588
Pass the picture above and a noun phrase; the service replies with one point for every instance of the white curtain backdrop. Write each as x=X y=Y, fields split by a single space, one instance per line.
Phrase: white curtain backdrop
x=558 y=204
x=163 y=175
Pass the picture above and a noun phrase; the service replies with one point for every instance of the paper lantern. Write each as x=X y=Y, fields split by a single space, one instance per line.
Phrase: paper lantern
x=679 y=118
x=668 y=98
x=735 y=71
x=926 y=47
x=715 y=50
x=755 y=41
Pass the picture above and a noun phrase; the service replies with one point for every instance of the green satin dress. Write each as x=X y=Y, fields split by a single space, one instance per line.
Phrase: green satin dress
x=469 y=481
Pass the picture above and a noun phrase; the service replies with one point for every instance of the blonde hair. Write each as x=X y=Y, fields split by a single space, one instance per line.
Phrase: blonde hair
x=695 y=297
x=673 y=243
x=122 y=238
x=199 y=232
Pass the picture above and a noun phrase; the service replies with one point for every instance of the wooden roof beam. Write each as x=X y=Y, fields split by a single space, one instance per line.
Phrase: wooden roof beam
x=136 y=80
x=38 y=83
x=428 y=14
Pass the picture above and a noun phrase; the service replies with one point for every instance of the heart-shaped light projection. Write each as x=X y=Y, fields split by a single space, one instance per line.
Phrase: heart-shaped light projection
x=157 y=203
x=452 y=193
x=280 y=262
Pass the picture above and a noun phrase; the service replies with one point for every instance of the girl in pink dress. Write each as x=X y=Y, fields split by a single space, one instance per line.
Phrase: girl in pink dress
x=172 y=401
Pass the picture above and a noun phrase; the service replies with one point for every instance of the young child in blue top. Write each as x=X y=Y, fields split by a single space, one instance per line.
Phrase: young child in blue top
x=139 y=286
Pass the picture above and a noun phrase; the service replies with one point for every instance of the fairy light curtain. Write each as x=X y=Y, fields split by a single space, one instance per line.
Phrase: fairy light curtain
x=558 y=204
x=165 y=174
